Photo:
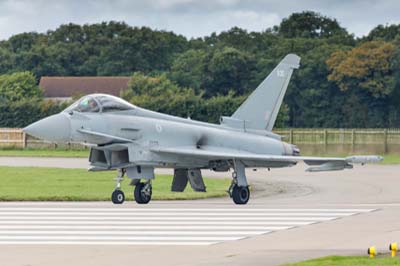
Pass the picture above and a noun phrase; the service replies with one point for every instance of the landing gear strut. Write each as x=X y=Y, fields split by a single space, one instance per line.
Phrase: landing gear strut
x=142 y=192
x=239 y=189
x=118 y=196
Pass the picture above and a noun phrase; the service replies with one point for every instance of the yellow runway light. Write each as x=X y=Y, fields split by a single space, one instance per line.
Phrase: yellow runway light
x=372 y=252
x=393 y=249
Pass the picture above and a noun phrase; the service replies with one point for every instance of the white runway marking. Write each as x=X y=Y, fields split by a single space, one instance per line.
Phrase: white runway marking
x=184 y=223
x=119 y=232
x=158 y=209
x=144 y=227
x=182 y=217
x=150 y=226
x=158 y=214
x=109 y=243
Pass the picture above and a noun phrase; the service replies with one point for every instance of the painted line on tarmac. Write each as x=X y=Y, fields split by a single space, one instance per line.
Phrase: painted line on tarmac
x=109 y=243
x=133 y=238
x=138 y=233
x=181 y=223
x=176 y=218
x=159 y=209
x=145 y=227
x=236 y=214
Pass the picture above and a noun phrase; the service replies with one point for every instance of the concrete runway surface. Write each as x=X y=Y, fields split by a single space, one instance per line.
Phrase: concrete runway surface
x=292 y=215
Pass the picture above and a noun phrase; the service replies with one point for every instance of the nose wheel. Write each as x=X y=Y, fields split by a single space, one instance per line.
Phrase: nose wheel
x=142 y=192
x=118 y=197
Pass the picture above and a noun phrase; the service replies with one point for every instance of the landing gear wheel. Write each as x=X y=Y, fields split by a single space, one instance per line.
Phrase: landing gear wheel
x=143 y=193
x=118 y=197
x=240 y=195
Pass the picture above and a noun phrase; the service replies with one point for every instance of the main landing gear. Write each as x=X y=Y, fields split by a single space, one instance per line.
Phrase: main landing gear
x=142 y=192
x=239 y=190
x=240 y=195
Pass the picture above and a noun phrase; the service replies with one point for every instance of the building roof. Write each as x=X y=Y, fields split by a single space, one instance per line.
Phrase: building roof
x=62 y=87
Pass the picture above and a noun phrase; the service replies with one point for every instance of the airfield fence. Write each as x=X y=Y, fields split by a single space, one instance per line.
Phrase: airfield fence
x=310 y=141
x=15 y=138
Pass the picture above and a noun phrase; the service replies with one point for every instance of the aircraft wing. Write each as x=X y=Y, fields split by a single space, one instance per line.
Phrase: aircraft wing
x=316 y=163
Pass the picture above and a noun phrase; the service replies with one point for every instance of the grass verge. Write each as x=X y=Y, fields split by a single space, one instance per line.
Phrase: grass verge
x=349 y=261
x=44 y=153
x=55 y=184
x=391 y=159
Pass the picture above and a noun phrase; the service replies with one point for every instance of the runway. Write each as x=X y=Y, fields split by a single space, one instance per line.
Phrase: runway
x=292 y=215
x=155 y=225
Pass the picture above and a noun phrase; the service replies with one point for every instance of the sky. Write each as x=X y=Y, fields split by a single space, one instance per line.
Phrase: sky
x=191 y=18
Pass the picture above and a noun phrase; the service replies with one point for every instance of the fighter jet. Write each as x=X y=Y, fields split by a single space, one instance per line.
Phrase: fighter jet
x=134 y=141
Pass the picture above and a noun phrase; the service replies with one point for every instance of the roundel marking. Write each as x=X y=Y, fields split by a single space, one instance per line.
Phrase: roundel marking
x=158 y=128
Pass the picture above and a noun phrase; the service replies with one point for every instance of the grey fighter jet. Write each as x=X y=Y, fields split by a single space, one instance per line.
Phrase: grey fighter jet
x=134 y=141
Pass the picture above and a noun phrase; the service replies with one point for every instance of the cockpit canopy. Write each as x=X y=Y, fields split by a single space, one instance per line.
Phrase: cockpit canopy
x=95 y=103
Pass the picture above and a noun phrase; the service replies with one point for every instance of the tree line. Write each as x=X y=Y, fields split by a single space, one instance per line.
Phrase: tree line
x=343 y=81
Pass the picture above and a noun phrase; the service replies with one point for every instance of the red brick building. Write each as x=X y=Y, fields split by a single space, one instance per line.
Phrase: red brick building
x=64 y=88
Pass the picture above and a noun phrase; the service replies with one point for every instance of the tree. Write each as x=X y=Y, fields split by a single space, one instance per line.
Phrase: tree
x=68 y=33
x=7 y=61
x=367 y=67
x=17 y=86
x=237 y=38
x=229 y=69
x=161 y=95
x=24 y=41
x=188 y=69
x=313 y=101
x=365 y=74
x=26 y=111
x=309 y=24
x=385 y=33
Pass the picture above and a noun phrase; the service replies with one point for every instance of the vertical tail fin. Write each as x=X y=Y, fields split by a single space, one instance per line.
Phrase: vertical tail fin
x=261 y=108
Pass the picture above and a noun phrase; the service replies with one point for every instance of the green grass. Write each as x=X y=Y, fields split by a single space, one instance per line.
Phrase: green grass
x=55 y=184
x=349 y=261
x=44 y=153
x=391 y=159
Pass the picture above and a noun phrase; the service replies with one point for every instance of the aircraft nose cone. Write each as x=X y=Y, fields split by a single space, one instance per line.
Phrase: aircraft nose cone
x=53 y=128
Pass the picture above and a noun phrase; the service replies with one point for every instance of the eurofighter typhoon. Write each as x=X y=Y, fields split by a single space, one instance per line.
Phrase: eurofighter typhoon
x=135 y=141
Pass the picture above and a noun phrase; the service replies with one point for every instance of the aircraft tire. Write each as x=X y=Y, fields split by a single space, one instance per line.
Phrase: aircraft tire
x=118 y=197
x=240 y=195
x=140 y=196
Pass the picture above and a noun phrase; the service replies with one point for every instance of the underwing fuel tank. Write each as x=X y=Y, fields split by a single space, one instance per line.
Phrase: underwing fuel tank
x=330 y=166
x=346 y=164
x=363 y=159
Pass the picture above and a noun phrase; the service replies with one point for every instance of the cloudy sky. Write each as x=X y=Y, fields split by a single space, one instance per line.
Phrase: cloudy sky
x=191 y=18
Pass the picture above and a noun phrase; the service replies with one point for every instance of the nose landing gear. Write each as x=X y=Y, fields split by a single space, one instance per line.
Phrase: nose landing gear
x=118 y=196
